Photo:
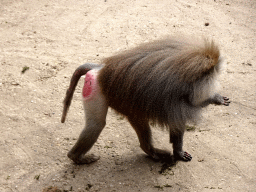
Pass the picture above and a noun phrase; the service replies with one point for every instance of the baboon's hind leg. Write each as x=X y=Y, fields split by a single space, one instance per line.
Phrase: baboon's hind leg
x=143 y=131
x=96 y=111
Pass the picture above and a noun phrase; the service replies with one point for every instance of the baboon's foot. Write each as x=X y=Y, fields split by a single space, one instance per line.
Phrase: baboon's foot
x=182 y=155
x=82 y=159
x=162 y=155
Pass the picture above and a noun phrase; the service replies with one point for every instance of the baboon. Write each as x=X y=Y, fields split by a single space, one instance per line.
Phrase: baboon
x=165 y=82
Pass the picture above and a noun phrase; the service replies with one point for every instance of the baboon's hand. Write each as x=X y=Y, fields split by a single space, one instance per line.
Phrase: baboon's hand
x=225 y=101
x=220 y=100
x=182 y=155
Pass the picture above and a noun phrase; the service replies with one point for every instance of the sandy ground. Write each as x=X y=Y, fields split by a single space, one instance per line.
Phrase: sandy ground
x=52 y=38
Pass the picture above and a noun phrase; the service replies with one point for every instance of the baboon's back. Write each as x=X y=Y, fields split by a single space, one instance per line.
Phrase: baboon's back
x=155 y=80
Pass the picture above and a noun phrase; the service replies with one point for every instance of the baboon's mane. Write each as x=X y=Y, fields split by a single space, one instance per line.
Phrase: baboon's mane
x=155 y=80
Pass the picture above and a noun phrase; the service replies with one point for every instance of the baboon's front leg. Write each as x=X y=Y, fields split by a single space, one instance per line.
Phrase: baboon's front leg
x=220 y=100
x=143 y=131
x=217 y=100
x=176 y=138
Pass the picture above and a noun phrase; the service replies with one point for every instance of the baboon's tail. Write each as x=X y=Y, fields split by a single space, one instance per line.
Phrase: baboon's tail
x=81 y=70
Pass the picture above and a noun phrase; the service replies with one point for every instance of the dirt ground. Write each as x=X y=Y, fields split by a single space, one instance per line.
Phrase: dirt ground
x=47 y=40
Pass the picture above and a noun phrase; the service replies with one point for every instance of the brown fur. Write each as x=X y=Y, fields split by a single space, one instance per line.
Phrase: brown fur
x=166 y=82
x=156 y=81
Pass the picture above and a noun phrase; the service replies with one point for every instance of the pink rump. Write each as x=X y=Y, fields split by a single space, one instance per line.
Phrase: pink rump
x=90 y=84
